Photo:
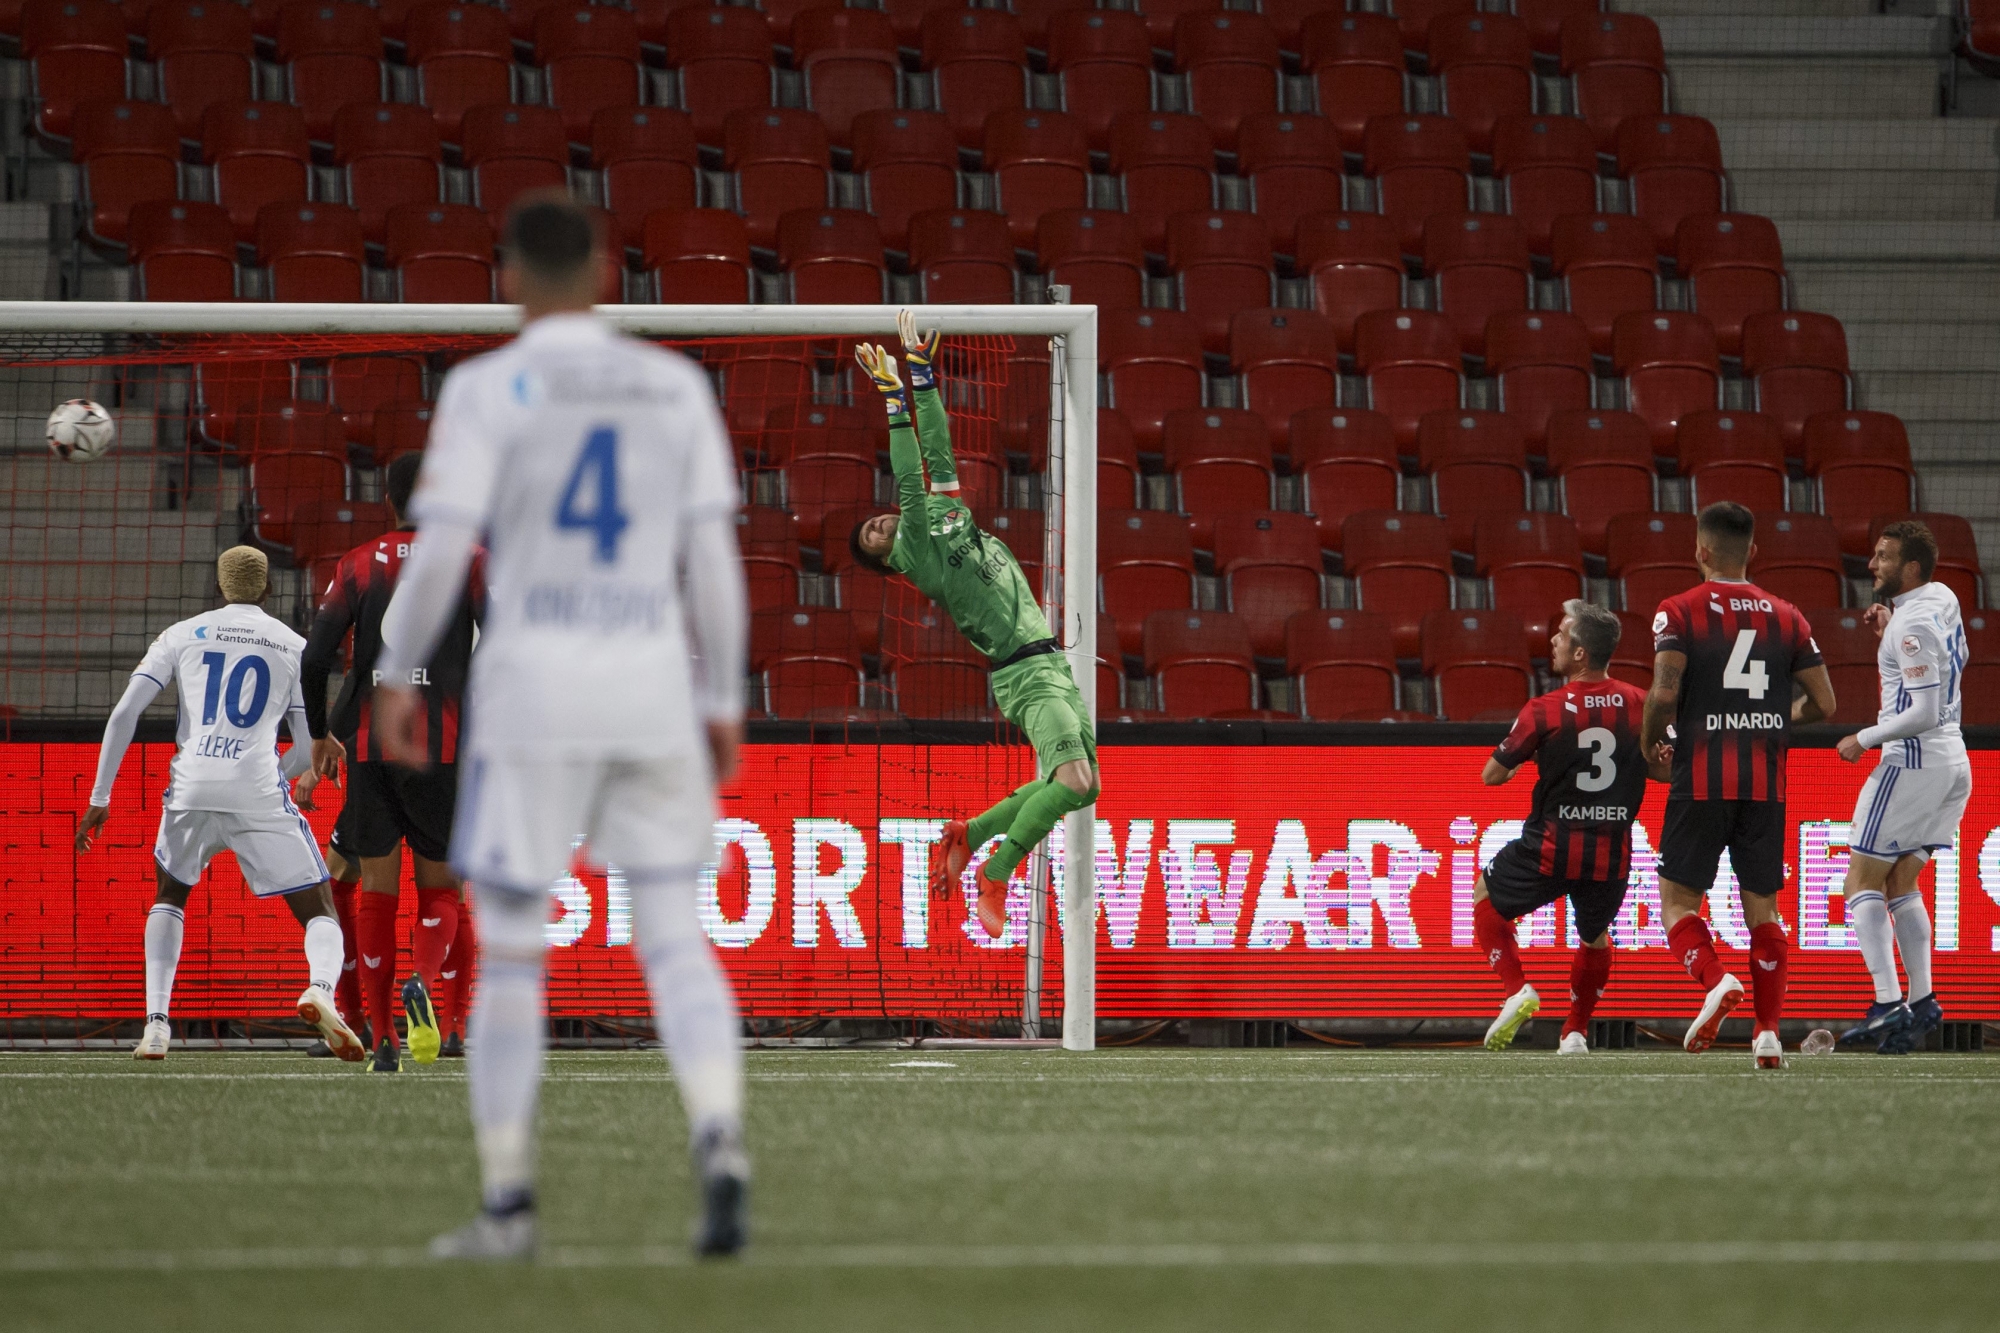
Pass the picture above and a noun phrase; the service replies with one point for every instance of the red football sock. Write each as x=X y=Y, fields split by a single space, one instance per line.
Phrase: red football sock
x=1695 y=947
x=455 y=975
x=430 y=942
x=348 y=993
x=378 y=960
x=1769 y=952
x=1495 y=934
x=1589 y=971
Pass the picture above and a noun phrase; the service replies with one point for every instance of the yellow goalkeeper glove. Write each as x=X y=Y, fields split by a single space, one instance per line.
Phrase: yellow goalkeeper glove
x=881 y=368
x=919 y=349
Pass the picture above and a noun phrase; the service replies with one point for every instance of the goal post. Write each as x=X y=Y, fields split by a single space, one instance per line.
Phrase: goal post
x=68 y=332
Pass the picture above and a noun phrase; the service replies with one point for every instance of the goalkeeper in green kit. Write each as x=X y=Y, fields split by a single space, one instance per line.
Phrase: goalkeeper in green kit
x=933 y=542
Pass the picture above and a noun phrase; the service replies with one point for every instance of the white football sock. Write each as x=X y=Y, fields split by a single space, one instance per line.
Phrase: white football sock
x=1868 y=914
x=164 y=927
x=694 y=1008
x=504 y=1040
x=1913 y=941
x=324 y=951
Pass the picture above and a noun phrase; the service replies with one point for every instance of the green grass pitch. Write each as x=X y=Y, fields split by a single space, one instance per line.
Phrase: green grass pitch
x=1151 y=1188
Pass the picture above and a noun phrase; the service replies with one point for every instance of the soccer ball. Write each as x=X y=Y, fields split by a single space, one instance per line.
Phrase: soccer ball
x=80 y=431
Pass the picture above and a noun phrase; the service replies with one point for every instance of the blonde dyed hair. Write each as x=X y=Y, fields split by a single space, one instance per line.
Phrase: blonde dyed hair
x=242 y=572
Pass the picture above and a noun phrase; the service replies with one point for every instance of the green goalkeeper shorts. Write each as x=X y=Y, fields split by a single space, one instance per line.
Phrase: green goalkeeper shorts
x=1038 y=695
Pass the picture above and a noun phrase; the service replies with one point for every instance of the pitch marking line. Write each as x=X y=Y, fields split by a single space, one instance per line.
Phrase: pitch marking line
x=1305 y=1255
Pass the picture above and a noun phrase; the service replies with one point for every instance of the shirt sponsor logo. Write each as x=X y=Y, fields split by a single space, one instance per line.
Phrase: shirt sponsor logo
x=1910 y=645
x=1749 y=604
x=1660 y=623
x=1915 y=672
x=1603 y=700
x=1746 y=722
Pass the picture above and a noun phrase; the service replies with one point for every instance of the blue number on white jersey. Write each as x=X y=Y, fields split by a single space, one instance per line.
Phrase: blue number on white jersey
x=607 y=522
x=229 y=697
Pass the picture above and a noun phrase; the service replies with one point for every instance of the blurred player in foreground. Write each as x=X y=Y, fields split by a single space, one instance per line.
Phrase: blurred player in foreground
x=1911 y=804
x=1726 y=654
x=387 y=804
x=606 y=697
x=934 y=543
x=1577 y=841
x=238 y=670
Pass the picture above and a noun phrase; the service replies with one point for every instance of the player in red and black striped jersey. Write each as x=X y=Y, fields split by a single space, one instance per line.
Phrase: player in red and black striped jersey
x=1577 y=840
x=1726 y=657
x=388 y=804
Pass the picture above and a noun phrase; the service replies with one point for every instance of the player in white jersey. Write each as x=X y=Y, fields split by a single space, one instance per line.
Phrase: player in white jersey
x=1911 y=804
x=238 y=674
x=606 y=697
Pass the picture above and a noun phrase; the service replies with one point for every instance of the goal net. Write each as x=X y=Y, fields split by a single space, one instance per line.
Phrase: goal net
x=873 y=720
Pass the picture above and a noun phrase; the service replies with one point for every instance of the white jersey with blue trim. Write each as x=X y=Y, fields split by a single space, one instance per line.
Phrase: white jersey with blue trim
x=1923 y=649
x=238 y=674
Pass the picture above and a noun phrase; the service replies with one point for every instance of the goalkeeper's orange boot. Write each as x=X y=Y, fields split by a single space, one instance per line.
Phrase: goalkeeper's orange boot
x=993 y=906
x=951 y=866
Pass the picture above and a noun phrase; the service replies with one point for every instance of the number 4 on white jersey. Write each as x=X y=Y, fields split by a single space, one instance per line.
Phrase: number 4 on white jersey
x=1740 y=673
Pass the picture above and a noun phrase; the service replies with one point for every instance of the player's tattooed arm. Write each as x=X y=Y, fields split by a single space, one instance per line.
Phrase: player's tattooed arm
x=1662 y=703
x=1815 y=704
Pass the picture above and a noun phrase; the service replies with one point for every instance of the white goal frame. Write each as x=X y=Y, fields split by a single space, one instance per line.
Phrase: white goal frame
x=1072 y=331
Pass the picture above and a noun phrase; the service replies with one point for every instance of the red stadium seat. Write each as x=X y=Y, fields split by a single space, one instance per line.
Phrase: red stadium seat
x=1221 y=264
x=1097 y=253
x=1117 y=461
x=1603 y=466
x=1220 y=461
x=589 y=56
x=1532 y=563
x=1848 y=645
x=363 y=386
x=312 y=252
x=1038 y=17
x=282 y=484
x=1230 y=62
x=1616 y=67
x=1547 y=167
x=1541 y=361
x=1355 y=264
x=1401 y=566
x=781 y=18
x=126 y=152
x=1478 y=266
x=1338 y=660
x=523 y=15
x=1632 y=659
x=1346 y=462
x=1732 y=456
x=963 y=256
x=1673 y=169
x=390 y=155
x=1110 y=667
x=513 y=150
x=1165 y=165
x=862 y=593
x=1039 y=161
x=1145 y=562
x=1670 y=367
x=1293 y=164
x=931 y=671
x=182 y=251
x=781 y=160
x=1200 y=663
x=398 y=429
x=1980 y=690
x=1860 y=464
x=648 y=161
x=1606 y=266
x=1484 y=68
x=722 y=56
x=1475 y=663
x=1420 y=166
x=1798 y=558
x=286 y=427
x=977 y=61
x=1477 y=463
x=806 y=657
x=1796 y=363
x=1411 y=361
x=817 y=486
x=1356 y=65
x=260 y=155
x=225 y=391
x=1105 y=61
x=1958 y=552
x=332 y=54
x=848 y=58
x=441 y=252
x=1650 y=557
x=908 y=162
x=1285 y=361
x=1152 y=359
x=1023 y=532
x=770 y=545
x=698 y=257
x=831 y=256
x=1270 y=566
x=1544 y=19
x=822 y=430
x=1162 y=16
x=1734 y=268
x=327 y=527
x=464 y=57
x=75 y=51
x=203 y=53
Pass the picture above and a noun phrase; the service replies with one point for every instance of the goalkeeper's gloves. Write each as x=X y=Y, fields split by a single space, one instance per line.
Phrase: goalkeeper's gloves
x=881 y=368
x=919 y=349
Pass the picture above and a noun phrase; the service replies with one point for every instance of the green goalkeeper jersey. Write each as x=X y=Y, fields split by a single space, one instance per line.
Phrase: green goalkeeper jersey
x=970 y=573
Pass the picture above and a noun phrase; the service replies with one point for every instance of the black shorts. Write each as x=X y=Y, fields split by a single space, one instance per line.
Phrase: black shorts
x=1696 y=832
x=387 y=803
x=1517 y=887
